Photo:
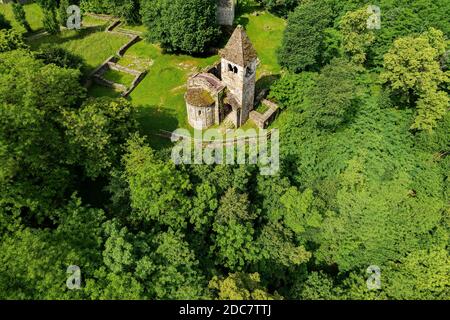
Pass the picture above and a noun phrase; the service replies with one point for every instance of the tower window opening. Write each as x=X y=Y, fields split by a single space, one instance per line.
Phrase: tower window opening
x=200 y=113
x=235 y=70
x=248 y=72
x=230 y=68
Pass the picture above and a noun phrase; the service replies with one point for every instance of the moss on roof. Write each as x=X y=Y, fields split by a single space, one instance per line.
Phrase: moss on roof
x=199 y=97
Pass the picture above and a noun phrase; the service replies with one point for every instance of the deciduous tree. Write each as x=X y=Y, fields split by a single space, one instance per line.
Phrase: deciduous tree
x=192 y=34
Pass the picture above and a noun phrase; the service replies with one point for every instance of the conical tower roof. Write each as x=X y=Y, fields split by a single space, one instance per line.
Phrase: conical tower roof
x=239 y=49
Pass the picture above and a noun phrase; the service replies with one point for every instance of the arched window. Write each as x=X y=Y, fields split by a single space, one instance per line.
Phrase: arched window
x=248 y=72
x=235 y=70
x=230 y=67
x=199 y=112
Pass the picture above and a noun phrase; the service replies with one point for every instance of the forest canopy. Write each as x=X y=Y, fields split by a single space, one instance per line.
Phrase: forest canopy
x=364 y=165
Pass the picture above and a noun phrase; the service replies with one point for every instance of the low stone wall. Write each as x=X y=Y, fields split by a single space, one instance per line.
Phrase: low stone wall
x=113 y=25
x=125 y=47
x=270 y=104
x=263 y=120
x=107 y=83
x=135 y=83
x=104 y=66
x=118 y=67
x=111 y=63
x=99 y=71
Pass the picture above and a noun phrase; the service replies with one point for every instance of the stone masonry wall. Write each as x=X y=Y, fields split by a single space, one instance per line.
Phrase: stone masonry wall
x=225 y=12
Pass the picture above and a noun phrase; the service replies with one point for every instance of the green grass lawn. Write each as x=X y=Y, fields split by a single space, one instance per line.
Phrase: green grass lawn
x=266 y=32
x=34 y=17
x=94 y=21
x=100 y=91
x=92 y=44
x=136 y=62
x=33 y=13
x=138 y=28
x=119 y=77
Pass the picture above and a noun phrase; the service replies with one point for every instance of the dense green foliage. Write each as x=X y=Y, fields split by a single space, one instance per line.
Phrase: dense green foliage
x=399 y=18
x=181 y=25
x=413 y=68
x=126 y=9
x=59 y=56
x=50 y=20
x=19 y=15
x=281 y=7
x=356 y=36
x=364 y=179
x=335 y=95
x=63 y=16
x=304 y=36
x=4 y=23
x=10 y=40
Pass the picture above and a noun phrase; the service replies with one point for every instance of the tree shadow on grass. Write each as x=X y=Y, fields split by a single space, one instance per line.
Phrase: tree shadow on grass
x=243 y=21
x=247 y=7
x=209 y=51
x=153 y=121
x=266 y=81
x=225 y=34
x=60 y=38
x=96 y=90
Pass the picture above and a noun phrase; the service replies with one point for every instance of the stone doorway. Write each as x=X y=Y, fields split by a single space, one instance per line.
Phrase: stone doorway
x=226 y=110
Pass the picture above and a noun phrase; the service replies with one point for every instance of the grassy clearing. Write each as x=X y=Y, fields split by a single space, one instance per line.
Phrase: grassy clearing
x=135 y=62
x=93 y=45
x=88 y=20
x=138 y=28
x=33 y=13
x=266 y=32
x=100 y=91
x=119 y=77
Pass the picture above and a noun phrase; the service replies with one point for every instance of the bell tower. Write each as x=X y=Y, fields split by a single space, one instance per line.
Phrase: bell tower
x=239 y=62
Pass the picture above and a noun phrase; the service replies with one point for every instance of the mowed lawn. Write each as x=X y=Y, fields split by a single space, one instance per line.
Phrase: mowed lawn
x=266 y=32
x=90 y=43
x=119 y=77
